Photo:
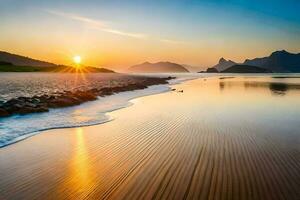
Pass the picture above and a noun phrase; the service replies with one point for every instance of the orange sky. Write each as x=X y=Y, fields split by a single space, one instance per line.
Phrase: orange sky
x=106 y=36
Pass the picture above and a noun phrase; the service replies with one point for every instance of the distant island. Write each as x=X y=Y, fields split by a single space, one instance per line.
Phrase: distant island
x=17 y=63
x=191 y=68
x=277 y=62
x=19 y=60
x=59 y=68
x=224 y=64
x=245 y=69
x=159 y=67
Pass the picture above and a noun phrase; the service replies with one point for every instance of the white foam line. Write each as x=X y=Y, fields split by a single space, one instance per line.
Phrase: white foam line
x=108 y=118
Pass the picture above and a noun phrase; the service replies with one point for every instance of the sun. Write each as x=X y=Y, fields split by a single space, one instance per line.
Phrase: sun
x=77 y=59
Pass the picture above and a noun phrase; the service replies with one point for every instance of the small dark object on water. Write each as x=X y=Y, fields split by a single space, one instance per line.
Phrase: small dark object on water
x=226 y=77
x=286 y=77
x=180 y=91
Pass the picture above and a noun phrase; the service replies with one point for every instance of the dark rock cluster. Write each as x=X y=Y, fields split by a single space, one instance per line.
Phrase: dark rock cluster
x=24 y=105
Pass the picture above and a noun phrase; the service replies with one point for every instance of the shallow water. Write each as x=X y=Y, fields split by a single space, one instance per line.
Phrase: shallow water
x=19 y=127
x=14 y=85
x=229 y=138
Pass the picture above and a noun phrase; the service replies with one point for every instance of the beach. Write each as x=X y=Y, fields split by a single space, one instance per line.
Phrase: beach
x=83 y=88
x=220 y=138
x=32 y=102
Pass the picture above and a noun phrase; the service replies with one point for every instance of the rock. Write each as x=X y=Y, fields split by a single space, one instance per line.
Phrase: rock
x=28 y=104
x=26 y=110
x=86 y=96
x=13 y=102
x=41 y=109
x=106 y=91
x=35 y=100
x=13 y=108
x=3 y=113
x=61 y=102
x=24 y=105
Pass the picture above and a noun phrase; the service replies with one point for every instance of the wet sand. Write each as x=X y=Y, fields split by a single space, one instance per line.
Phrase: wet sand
x=219 y=139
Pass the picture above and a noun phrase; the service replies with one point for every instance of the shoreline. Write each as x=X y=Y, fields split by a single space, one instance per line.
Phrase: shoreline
x=127 y=102
x=108 y=118
x=37 y=104
x=153 y=150
x=138 y=93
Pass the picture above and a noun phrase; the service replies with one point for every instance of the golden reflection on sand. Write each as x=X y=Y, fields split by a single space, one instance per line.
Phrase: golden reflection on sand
x=80 y=167
x=81 y=159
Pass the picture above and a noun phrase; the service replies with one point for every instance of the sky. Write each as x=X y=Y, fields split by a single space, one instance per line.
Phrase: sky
x=121 y=33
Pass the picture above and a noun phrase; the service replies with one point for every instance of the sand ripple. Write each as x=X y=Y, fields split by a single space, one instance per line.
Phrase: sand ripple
x=167 y=146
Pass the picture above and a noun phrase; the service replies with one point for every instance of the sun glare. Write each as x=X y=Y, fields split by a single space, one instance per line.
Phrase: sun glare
x=77 y=59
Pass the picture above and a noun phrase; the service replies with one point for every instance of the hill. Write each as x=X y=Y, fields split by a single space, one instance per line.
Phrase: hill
x=191 y=68
x=19 y=60
x=278 y=61
x=210 y=70
x=16 y=63
x=245 y=69
x=61 y=69
x=224 y=64
x=159 y=67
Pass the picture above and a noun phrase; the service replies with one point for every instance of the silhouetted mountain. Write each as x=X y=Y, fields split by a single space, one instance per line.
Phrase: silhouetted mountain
x=5 y=63
x=278 y=61
x=16 y=63
x=191 y=68
x=210 y=70
x=160 y=67
x=224 y=64
x=59 y=69
x=245 y=69
x=22 y=60
x=90 y=69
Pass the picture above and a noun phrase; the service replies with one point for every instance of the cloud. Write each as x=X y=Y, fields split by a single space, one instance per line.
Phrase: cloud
x=104 y=26
x=96 y=24
x=172 y=41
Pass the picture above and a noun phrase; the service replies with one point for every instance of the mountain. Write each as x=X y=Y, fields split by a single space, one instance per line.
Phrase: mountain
x=245 y=69
x=224 y=64
x=60 y=69
x=22 y=60
x=210 y=70
x=278 y=61
x=159 y=67
x=16 y=63
x=191 y=68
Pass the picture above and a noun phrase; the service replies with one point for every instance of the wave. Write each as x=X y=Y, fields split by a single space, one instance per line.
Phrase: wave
x=19 y=127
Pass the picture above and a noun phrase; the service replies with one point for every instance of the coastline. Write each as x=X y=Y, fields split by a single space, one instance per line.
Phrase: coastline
x=99 y=114
x=20 y=131
x=36 y=104
x=152 y=150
